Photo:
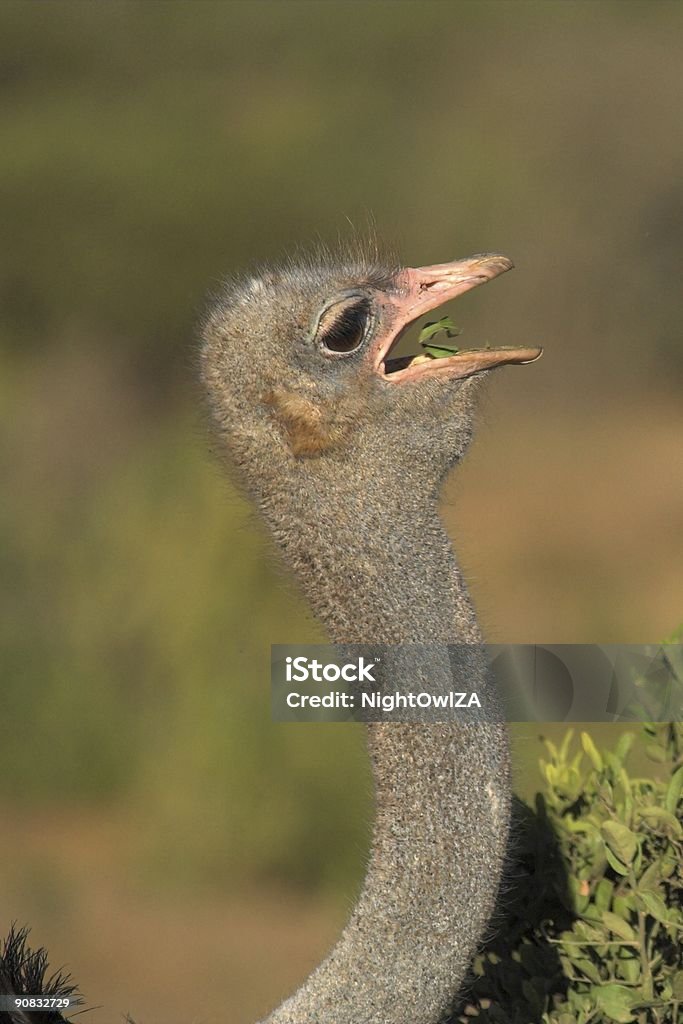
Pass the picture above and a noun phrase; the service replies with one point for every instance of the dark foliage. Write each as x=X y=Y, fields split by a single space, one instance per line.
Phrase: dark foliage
x=24 y=971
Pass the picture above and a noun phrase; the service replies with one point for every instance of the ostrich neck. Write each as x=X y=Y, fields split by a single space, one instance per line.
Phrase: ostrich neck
x=383 y=570
x=374 y=560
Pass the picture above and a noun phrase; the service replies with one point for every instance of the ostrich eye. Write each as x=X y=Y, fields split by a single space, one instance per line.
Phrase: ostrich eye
x=342 y=327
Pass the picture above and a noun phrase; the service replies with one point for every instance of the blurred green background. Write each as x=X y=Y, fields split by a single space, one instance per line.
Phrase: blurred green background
x=147 y=150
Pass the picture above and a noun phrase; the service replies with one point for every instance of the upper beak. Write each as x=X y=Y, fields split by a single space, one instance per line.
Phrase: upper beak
x=421 y=289
x=424 y=288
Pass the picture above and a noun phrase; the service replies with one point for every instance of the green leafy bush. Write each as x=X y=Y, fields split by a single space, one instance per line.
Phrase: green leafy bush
x=591 y=930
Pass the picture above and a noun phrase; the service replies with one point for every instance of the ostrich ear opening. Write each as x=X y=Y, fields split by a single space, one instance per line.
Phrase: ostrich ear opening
x=302 y=423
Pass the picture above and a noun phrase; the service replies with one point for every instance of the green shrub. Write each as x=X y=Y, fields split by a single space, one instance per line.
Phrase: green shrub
x=592 y=927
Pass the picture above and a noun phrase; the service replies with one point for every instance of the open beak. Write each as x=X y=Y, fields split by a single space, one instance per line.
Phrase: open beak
x=420 y=290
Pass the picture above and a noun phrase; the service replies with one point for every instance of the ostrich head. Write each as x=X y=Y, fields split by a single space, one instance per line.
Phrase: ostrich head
x=298 y=367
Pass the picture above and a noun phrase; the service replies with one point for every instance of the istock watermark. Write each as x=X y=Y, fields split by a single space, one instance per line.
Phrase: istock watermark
x=303 y=669
x=477 y=683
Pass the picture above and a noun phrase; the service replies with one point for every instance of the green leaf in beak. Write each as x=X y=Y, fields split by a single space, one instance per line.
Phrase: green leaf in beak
x=442 y=349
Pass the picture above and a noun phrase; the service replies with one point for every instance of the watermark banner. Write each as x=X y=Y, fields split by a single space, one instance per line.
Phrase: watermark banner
x=477 y=683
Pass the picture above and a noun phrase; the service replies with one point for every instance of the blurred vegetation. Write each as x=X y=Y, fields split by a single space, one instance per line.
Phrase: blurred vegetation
x=593 y=926
x=136 y=654
x=150 y=148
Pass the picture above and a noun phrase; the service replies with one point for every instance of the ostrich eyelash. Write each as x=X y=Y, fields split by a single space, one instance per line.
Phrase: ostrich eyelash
x=343 y=328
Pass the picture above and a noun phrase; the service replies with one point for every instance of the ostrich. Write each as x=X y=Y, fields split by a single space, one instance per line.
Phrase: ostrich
x=343 y=450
